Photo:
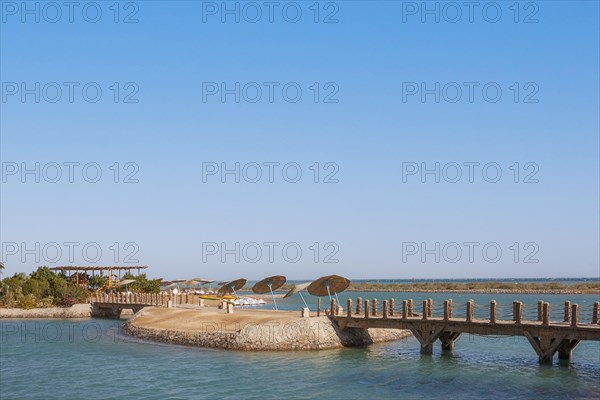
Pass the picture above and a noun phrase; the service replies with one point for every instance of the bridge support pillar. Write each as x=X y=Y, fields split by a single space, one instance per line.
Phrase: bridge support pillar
x=426 y=335
x=546 y=346
x=565 y=350
x=448 y=339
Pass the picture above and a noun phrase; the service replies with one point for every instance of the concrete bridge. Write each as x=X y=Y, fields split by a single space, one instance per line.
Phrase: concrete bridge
x=546 y=337
x=111 y=305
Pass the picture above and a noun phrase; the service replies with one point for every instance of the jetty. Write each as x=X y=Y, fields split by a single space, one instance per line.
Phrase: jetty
x=545 y=336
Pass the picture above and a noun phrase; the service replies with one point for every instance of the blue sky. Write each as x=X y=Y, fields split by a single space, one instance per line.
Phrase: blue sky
x=371 y=219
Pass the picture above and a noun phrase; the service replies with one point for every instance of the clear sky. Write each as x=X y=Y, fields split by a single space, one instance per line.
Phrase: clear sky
x=388 y=90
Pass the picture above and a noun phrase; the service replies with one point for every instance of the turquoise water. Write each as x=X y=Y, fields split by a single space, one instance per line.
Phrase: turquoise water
x=482 y=302
x=56 y=359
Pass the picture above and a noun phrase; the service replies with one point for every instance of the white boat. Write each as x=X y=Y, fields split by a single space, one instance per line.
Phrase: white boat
x=248 y=301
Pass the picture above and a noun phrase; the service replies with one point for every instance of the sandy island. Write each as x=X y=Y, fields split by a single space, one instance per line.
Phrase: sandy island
x=249 y=329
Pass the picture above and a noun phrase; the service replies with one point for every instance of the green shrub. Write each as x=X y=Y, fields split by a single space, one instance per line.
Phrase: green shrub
x=28 y=302
x=74 y=295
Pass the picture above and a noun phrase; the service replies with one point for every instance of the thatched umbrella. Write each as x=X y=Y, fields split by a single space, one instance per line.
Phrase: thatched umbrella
x=268 y=285
x=326 y=284
x=231 y=287
x=298 y=289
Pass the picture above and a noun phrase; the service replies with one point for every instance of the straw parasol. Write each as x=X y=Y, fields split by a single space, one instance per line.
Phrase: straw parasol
x=327 y=284
x=231 y=287
x=298 y=289
x=202 y=280
x=268 y=285
x=126 y=282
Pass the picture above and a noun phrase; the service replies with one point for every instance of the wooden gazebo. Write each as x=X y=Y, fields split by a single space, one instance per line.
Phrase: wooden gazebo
x=93 y=269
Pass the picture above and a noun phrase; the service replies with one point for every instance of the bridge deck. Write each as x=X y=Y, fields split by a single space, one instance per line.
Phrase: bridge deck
x=476 y=326
x=545 y=336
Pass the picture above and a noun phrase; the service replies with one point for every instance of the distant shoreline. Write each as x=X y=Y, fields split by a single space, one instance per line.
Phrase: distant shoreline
x=480 y=291
x=278 y=293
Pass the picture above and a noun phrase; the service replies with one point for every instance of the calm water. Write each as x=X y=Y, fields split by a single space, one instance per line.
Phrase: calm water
x=55 y=359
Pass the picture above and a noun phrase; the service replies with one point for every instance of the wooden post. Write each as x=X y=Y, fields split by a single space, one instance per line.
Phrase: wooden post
x=425 y=309
x=385 y=309
x=429 y=308
x=333 y=307
x=493 y=311
x=567 y=311
x=410 y=307
x=366 y=308
x=404 y=309
x=546 y=314
x=374 y=307
x=574 y=315
x=349 y=311
x=517 y=311
x=446 y=310
x=319 y=306
x=540 y=310
x=359 y=305
x=595 y=312
x=391 y=311
x=470 y=307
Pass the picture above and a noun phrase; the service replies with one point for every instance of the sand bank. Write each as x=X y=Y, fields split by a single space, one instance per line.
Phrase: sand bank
x=249 y=330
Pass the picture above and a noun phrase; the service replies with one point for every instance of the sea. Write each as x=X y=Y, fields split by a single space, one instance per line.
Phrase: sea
x=93 y=359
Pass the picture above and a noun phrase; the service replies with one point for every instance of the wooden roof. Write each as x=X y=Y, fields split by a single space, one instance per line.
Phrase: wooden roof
x=94 y=268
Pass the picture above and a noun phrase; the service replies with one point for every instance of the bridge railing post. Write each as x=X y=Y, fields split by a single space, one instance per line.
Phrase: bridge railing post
x=391 y=310
x=493 y=311
x=404 y=309
x=596 y=312
x=574 y=315
x=429 y=308
x=385 y=309
x=349 y=310
x=366 y=308
x=425 y=309
x=359 y=305
x=540 y=310
x=470 y=306
x=374 y=307
x=567 y=317
x=447 y=310
x=517 y=311
x=546 y=314
x=410 y=307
